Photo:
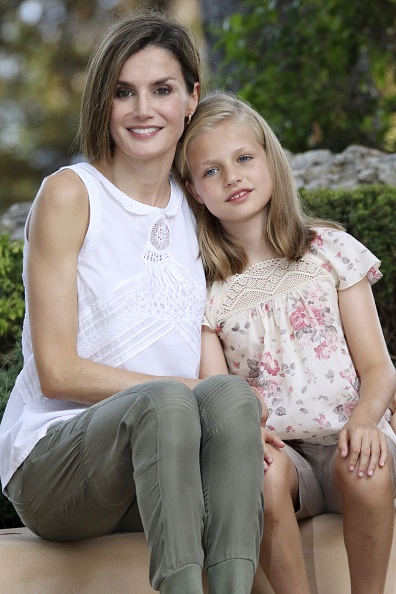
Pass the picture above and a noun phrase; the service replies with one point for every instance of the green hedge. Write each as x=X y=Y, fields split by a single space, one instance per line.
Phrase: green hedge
x=10 y=364
x=12 y=304
x=367 y=213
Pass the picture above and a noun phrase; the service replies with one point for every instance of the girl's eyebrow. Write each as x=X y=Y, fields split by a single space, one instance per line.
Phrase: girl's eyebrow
x=241 y=149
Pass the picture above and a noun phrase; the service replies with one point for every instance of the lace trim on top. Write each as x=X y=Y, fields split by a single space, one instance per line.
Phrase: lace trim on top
x=145 y=307
x=264 y=281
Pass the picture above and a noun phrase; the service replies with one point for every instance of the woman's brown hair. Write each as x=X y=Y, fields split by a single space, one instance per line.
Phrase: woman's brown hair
x=125 y=38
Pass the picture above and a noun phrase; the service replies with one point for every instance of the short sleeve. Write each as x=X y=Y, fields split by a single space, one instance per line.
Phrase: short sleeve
x=345 y=257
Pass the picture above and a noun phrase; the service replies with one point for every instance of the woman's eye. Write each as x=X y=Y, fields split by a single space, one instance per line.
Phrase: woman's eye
x=122 y=93
x=244 y=158
x=210 y=172
x=165 y=90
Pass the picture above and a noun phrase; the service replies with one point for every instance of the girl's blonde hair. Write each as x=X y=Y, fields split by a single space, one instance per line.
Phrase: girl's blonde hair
x=289 y=230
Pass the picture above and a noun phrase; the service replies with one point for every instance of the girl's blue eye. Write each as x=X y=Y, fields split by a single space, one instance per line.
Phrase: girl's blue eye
x=244 y=158
x=210 y=172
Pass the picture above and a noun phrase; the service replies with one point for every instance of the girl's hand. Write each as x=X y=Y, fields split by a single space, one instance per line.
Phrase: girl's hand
x=364 y=443
x=392 y=406
x=264 y=413
x=272 y=438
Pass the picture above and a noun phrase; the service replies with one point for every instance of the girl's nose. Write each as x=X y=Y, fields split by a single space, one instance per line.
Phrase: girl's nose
x=232 y=176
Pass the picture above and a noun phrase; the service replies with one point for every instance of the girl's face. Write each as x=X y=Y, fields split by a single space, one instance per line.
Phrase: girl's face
x=150 y=105
x=229 y=173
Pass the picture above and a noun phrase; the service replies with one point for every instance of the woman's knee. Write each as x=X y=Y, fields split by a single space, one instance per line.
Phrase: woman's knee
x=228 y=396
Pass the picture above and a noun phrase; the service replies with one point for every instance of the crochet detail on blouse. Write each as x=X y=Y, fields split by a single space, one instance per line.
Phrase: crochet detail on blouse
x=265 y=280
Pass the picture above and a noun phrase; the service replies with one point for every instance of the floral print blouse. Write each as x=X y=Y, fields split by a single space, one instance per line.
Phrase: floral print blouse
x=280 y=327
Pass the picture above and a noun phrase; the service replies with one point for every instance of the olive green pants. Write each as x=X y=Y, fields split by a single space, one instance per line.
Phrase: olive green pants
x=185 y=466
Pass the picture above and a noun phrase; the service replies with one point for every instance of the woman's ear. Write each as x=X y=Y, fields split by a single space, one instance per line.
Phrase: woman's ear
x=190 y=187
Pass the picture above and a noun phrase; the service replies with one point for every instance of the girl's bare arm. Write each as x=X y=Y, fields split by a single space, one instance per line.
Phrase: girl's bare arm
x=360 y=440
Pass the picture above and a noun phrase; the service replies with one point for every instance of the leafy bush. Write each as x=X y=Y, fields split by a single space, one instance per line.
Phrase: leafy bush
x=317 y=71
x=10 y=365
x=12 y=305
x=368 y=214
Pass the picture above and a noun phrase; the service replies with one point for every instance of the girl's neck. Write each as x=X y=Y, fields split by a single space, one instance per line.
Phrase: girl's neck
x=254 y=240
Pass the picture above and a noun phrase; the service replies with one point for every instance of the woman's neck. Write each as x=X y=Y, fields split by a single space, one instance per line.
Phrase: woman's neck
x=146 y=182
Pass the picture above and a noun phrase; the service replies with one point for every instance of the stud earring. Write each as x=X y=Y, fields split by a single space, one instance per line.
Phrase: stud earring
x=189 y=116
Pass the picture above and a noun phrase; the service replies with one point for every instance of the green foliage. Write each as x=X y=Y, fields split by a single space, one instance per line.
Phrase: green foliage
x=10 y=365
x=368 y=214
x=321 y=73
x=12 y=305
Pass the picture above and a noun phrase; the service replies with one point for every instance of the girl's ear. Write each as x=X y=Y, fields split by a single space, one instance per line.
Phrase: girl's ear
x=190 y=187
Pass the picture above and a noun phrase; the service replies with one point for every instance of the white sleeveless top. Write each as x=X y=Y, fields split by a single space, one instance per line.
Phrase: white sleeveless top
x=141 y=295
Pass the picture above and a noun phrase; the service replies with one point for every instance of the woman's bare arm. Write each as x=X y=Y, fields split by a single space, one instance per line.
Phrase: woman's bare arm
x=56 y=233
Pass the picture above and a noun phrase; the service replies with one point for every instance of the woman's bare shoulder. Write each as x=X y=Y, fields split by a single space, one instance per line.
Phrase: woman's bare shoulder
x=62 y=201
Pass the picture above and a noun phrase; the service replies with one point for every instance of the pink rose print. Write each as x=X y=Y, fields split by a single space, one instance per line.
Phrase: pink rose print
x=269 y=364
x=317 y=315
x=349 y=374
x=289 y=429
x=327 y=266
x=322 y=420
x=299 y=318
x=349 y=407
x=323 y=351
x=318 y=241
x=270 y=387
x=373 y=275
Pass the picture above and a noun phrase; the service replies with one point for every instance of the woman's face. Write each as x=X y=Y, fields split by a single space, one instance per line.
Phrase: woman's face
x=150 y=105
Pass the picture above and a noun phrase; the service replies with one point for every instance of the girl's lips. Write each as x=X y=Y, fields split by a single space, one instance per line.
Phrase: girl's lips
x=239 y=196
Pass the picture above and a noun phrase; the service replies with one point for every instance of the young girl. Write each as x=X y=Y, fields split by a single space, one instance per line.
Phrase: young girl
x=289 y=303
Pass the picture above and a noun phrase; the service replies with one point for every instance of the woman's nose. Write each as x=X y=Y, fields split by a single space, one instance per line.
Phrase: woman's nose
x=144 y=108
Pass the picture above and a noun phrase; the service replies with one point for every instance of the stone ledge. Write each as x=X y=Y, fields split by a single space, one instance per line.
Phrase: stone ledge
x=118 y=564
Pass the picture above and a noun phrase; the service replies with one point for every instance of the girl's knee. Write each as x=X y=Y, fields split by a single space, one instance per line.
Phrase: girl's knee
x=366 y=488
x=281 y=475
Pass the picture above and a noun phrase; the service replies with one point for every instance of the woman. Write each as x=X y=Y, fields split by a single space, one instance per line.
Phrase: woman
x=107 y=427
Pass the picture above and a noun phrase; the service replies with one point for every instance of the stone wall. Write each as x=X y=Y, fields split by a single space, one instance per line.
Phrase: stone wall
x=313 y=170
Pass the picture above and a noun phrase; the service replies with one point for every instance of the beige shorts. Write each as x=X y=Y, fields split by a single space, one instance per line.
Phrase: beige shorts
x=314 y=465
